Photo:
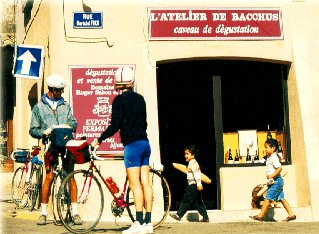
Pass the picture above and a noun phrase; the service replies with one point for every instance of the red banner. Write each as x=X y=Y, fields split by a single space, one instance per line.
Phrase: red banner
x=92 y=95
x=215 y=24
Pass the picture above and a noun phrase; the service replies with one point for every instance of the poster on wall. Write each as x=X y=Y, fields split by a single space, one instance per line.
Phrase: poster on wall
x=247 y=140
x=92 y=92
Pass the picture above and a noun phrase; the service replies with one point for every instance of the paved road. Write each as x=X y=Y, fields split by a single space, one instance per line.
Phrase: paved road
x=11 y=224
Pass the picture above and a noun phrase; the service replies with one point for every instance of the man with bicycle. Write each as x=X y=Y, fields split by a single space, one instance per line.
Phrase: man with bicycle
x=129 y=116
x=50 y=112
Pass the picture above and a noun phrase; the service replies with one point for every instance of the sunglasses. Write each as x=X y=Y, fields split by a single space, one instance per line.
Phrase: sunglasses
x=59 y=90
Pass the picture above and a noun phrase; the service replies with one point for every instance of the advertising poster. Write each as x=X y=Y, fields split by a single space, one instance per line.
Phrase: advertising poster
x=92 y=94
x=247 y=140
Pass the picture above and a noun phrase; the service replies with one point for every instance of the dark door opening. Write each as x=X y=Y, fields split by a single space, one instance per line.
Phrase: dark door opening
x=199 y=101
x=186 y=117
x=7 y=99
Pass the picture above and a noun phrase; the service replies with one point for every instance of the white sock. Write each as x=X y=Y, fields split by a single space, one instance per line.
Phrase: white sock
x=75 y=210
x=44 y=209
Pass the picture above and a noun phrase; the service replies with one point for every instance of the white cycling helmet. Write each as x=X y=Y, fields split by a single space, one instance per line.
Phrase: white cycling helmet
x=124 y=75
x=55 y=81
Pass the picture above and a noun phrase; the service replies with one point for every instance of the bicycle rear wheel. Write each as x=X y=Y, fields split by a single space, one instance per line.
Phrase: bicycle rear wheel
x=19 y=188
x=34 y=186
x=90 y=201
x=161 y=199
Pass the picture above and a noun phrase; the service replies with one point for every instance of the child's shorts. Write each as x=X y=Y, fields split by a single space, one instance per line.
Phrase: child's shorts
x=275 y=191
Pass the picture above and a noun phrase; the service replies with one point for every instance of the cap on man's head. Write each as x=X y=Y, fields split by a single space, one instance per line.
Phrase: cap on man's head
x=55 y=81
x=124 y=75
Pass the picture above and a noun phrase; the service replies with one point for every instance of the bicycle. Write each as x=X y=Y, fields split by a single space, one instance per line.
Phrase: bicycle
x=90 y=197
x=26 y=184
x=59 y=175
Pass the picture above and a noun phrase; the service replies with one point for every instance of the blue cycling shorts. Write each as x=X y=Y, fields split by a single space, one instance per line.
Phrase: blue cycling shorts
x=137 y=154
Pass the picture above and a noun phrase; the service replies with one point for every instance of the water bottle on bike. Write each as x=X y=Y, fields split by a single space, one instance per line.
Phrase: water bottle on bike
x=112 y=185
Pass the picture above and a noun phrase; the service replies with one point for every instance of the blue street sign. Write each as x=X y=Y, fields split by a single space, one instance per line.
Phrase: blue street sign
x=28 y=61
x=87 y=20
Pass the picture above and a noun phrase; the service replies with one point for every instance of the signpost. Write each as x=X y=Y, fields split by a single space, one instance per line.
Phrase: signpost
x=28 y=61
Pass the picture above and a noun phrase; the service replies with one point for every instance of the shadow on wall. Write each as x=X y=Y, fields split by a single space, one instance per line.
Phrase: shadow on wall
x=33 y=95
x=27 y=12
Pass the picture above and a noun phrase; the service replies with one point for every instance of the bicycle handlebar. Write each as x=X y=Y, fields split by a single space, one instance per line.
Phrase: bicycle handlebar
x=93 y=153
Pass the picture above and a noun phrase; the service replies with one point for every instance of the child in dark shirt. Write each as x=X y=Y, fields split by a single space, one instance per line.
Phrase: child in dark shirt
x=193 y=195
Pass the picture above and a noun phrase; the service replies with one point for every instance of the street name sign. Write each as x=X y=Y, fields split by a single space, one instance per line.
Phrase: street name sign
x=87 y=20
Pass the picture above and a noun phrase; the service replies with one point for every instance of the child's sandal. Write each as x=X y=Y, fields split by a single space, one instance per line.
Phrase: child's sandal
x=290 y=218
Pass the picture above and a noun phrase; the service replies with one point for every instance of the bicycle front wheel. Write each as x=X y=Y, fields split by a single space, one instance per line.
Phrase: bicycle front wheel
x=34 y=186
x=161 y=199
x=84 y=198
x=19 y=187
x=54 y=196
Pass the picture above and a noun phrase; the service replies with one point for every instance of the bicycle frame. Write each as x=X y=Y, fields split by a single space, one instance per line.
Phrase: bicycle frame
x=25 y=168
x=120 y=202
x=22 y=182
x=90 y=194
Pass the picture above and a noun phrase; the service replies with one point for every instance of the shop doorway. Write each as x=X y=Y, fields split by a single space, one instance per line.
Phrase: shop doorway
x=7 y=99
x=200 y=101
x=186 y=117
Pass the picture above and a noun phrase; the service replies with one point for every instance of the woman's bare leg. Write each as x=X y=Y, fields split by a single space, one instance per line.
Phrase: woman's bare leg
x=133 y=174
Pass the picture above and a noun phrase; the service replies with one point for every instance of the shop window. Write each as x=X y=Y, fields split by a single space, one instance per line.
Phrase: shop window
x=253 y=98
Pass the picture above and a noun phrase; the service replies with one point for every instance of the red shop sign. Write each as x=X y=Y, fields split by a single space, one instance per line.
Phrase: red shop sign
x=215 y=24
x=92 y=94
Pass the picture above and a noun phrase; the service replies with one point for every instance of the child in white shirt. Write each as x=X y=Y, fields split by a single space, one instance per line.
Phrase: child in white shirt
x=275 y=191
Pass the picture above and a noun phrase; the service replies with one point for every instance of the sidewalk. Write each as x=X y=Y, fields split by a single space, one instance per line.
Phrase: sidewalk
x=303 y=214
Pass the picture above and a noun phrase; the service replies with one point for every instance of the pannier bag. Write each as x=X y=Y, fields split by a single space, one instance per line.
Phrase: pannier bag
x=20 y=156
x=79 y=150
x=60 y=136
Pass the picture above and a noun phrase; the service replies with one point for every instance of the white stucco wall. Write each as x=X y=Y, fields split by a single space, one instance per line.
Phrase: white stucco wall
x=126 y=29
x=305 y=34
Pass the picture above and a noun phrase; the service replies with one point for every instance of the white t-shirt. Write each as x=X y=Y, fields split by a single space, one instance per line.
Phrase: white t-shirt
x=272 y=164
x=53 y=104
x=193 y=173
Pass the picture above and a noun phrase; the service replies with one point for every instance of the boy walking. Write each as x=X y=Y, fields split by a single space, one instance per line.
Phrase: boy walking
x=193 y=195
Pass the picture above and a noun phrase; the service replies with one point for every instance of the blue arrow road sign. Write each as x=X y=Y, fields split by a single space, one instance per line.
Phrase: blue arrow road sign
x=28 y=61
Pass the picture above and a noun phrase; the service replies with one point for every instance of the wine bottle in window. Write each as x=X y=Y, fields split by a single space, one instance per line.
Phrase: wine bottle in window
x=236 y=158
x=248 y=157
x=230 y=157
x=263 y=159
x=256 y=158
x=269 y=136
x=280 y=154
